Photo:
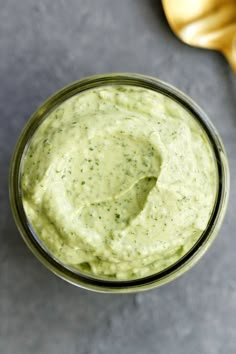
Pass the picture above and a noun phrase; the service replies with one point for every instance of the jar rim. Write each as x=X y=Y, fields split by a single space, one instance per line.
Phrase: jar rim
x=107 y=285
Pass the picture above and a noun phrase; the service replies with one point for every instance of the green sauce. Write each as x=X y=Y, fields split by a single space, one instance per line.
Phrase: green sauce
x=119 y=181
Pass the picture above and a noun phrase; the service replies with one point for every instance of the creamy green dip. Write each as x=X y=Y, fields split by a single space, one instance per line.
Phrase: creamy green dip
x=119 y=181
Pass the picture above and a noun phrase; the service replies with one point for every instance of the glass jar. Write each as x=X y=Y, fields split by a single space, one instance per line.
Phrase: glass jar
x=107 y=285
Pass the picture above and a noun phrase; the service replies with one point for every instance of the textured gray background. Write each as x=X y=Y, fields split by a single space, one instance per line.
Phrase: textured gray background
x=43 y=46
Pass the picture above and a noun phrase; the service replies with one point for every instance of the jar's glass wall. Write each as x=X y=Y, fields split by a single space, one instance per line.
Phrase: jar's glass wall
x=86 y=280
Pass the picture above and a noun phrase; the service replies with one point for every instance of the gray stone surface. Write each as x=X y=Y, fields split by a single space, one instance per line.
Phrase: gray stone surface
x=43 y=46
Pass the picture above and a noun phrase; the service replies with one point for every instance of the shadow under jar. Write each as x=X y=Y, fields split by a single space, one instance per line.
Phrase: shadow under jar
x=119 y=183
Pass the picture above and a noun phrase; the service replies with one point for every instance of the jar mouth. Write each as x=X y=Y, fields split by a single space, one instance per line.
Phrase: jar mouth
x=113 y=285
